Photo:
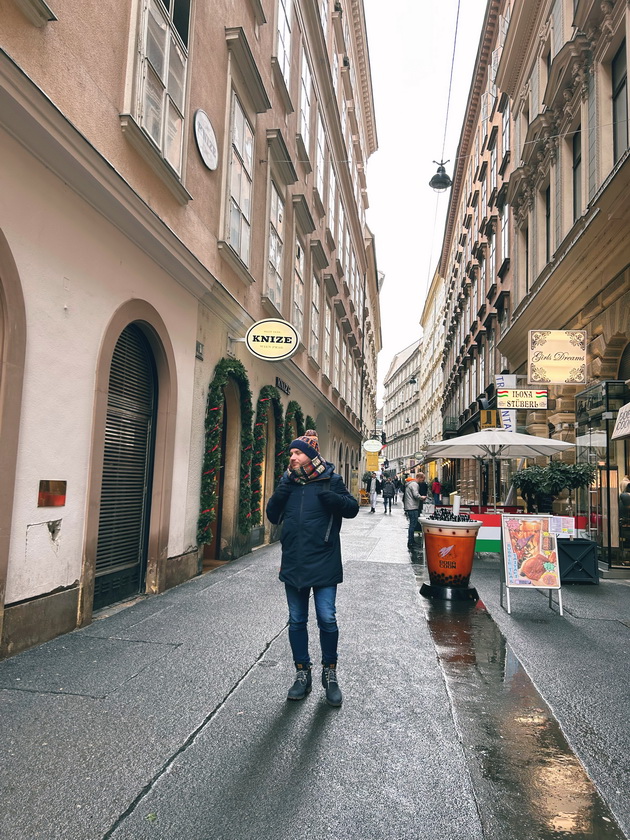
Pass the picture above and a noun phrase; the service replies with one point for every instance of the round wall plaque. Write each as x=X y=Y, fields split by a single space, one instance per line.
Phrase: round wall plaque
x=206 y=140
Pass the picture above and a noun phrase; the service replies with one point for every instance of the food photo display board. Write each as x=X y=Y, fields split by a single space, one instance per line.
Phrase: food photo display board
x=530 y=554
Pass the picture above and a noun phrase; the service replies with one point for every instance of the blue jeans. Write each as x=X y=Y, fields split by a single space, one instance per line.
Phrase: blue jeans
x=412 y=516
x=387 y=501
x=324 y=598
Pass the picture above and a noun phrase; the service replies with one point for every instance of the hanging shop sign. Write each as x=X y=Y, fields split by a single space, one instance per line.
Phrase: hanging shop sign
x=206 y=140
x=272 y=339
x=521 y=398
x=372 y=445
x=622 y=426
x=489 y=419
x=557 y=357
x=371 y=461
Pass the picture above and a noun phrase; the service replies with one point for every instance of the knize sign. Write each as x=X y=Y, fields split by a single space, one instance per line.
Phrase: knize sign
x=272 y=339
x=521 y=398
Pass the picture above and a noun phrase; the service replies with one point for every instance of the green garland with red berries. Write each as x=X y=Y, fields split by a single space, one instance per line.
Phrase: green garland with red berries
x=294 y=413
x=225 y=369
x=268 y=394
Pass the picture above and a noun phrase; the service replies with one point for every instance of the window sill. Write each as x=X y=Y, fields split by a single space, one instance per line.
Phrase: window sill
x=281 y=86
x=270 y=307
x=38 y=12
x=149 y=152
x=234 y=261
x=313 y=362
x=303 y=153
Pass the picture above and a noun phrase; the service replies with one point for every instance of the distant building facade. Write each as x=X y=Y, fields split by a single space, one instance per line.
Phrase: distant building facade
x=401 y=413
x=475 y=260
x=172 y=173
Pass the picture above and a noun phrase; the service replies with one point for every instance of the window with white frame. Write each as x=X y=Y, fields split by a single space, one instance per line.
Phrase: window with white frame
x=505 y=129
x=319 y=156
x=315 y=320
x=162 y=76
x=336 y=355
x=332 y=194
x=275 y=247
x=335 y=70
x=240 y=203
x=505 y=231
x=298 y=288
x=327 y=339
x=283 y=40
x=305 y=103
x=344 y=365
x=323 y=14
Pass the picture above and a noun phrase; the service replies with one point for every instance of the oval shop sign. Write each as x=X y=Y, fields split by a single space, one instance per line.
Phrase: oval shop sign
x=272 y=339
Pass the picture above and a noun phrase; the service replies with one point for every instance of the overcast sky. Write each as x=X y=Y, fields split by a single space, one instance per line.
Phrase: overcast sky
x=411 y=48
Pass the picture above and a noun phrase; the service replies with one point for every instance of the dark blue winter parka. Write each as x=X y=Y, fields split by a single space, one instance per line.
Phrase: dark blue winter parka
x=311 y=517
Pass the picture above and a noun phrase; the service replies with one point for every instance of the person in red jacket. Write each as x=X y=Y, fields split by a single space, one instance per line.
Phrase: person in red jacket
x=311 y=500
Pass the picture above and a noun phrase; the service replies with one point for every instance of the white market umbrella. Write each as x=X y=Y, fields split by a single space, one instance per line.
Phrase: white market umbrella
x=495 y=444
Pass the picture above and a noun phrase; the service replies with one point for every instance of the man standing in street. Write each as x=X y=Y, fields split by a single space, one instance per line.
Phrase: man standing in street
x=412 y=503
x=311 y=500
x=372 y=490
x=388 y=494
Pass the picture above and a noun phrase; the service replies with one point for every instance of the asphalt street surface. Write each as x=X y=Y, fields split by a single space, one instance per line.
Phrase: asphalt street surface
x=168 y=718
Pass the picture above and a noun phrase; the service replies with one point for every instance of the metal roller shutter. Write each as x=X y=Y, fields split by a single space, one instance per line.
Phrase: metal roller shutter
x=128 y=455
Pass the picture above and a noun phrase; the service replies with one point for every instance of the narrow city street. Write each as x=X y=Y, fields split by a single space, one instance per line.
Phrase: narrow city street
x=168 y=719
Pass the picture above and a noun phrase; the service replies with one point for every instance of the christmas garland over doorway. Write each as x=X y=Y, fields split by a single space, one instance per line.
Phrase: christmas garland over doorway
x=225 y=369
x=267 y=394
x=309 y=423
x=294 y=412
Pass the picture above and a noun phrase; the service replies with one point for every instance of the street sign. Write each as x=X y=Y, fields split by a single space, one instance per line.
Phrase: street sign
x=521 y=398
x=372 y=445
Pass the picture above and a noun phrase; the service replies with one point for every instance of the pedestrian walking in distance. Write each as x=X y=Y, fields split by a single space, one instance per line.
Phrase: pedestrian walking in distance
x=311 y=500
x=373 y=486
x=412 y=503
x=388 y=494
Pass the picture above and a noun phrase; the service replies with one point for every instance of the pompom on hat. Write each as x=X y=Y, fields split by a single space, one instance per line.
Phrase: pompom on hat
x=307 y=443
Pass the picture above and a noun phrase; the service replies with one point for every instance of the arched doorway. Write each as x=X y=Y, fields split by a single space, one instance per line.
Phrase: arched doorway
x=226 y=483
x=12 y=355
x=125 y=504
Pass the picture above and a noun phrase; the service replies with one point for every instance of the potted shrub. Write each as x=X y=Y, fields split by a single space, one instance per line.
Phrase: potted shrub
x=539 y=486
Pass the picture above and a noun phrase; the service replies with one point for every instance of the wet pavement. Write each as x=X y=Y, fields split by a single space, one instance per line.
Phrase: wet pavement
x=168 y=719
x=527 y=780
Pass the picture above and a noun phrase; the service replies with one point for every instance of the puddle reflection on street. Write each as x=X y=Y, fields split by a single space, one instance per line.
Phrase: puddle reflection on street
x=528 y=782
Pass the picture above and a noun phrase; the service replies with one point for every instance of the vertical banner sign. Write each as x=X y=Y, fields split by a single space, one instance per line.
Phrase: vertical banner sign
x=530 y=552
x=508 y=416
x=557 y=357
x=371 y=461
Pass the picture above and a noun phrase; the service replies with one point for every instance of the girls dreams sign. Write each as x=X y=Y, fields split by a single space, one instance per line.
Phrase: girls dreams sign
x=557 y=357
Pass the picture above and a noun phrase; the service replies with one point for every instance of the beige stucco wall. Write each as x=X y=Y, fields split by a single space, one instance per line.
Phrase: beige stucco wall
x=76 y=269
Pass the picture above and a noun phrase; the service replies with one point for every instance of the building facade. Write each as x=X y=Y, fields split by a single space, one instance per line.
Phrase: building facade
x=433 y=324
x=475 y=260
x=172 y=174
x=564 y=70
x=401 y=414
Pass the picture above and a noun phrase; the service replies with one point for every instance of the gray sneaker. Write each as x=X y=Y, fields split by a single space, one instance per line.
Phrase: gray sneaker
x=302 y=685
